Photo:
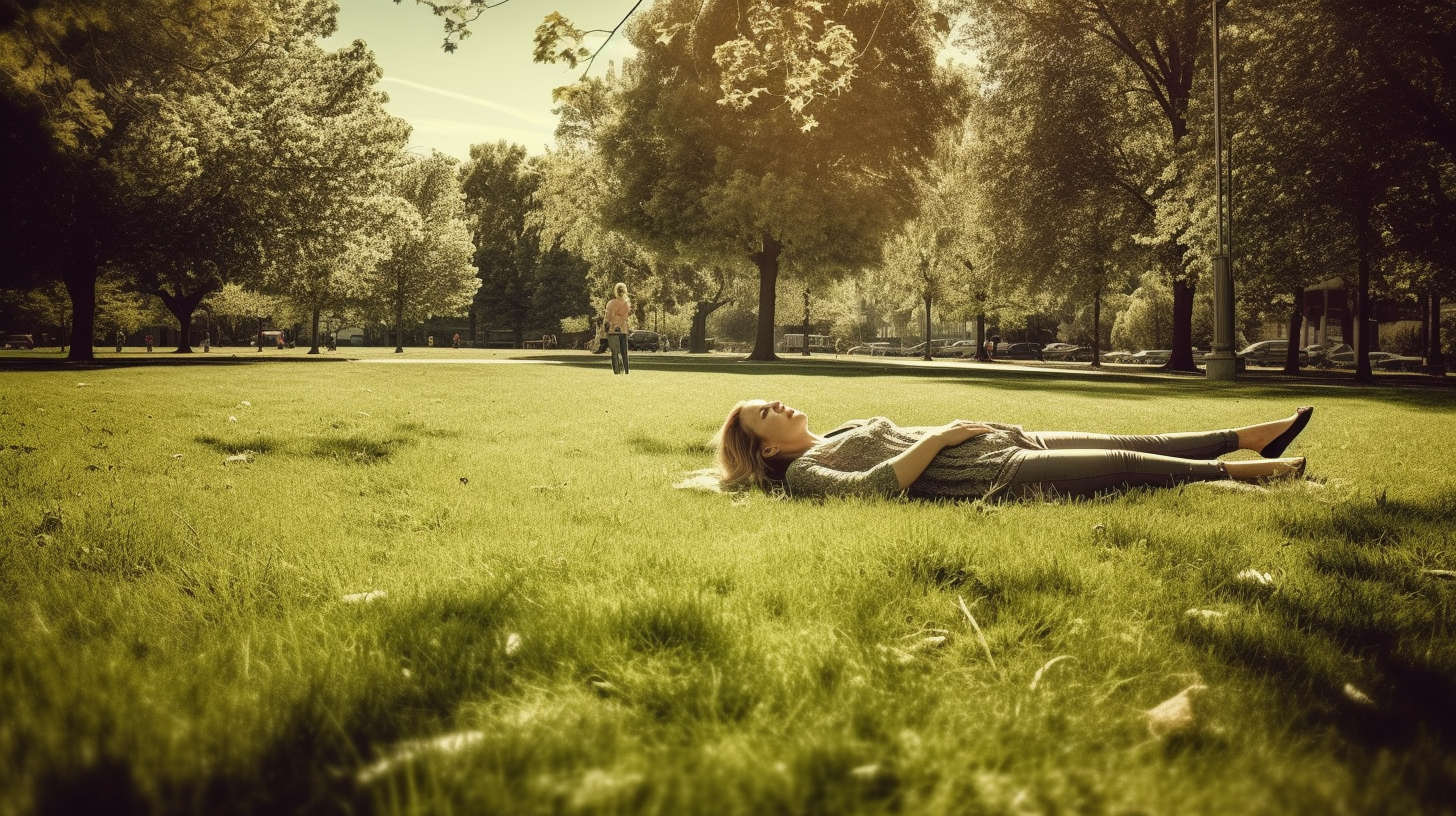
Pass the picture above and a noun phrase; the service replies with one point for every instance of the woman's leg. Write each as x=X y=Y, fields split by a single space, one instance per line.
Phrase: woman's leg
x=1195 y=445
x=1085 y=473
x=614 y=347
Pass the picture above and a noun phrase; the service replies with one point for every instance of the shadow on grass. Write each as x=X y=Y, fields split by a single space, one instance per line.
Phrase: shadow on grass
x=253 y=444
x=358 y=448
x=1363 y=641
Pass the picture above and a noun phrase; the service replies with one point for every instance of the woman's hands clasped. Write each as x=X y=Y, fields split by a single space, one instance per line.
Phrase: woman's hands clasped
x=960 y=430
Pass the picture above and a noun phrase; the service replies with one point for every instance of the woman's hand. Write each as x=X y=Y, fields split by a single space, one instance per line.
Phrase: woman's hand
x=960 y=430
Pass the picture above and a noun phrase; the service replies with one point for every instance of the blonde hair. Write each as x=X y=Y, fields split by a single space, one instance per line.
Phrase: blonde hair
x=741 y=462
x=620 y=291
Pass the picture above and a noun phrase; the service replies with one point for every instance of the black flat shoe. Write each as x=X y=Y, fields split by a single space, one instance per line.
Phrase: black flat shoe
x=1275 y=449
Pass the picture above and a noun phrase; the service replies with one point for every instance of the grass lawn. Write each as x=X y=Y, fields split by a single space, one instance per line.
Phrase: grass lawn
x=319 y=586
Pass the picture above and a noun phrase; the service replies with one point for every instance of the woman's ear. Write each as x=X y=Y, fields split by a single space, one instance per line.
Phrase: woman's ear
x=769 y=451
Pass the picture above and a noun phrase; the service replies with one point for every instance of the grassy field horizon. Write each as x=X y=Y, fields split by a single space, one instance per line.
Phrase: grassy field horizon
x=452 y=587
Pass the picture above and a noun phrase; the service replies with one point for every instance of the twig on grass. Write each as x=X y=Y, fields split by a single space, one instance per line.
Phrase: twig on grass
x=194 y=544
x=981 y=636
x=1035 y=680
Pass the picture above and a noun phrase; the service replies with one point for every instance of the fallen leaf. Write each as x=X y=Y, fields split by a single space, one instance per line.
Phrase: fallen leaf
x=1253 y=576
x=1357 y=696
x=365 y=597
x=232 y=419
x=1175 y=715
x=513 y=643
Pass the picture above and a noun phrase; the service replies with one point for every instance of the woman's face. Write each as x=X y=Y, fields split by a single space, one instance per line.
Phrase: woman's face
x=774 y=423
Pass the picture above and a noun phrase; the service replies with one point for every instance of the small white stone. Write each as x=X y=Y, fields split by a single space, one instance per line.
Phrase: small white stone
x=232 y=419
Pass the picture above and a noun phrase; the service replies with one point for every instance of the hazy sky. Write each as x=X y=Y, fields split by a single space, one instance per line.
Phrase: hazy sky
x=487 y=90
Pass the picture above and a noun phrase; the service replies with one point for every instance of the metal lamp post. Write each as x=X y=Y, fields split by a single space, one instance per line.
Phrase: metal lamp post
x=806 y=321
x=1221 y=363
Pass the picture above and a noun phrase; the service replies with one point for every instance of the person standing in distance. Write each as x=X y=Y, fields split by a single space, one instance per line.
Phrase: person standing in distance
x=618 y=323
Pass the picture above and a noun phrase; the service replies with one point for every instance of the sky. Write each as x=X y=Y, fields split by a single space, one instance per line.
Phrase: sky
x=489 y=89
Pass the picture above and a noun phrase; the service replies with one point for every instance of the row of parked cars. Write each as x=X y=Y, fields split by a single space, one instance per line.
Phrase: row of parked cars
x=1265 y=353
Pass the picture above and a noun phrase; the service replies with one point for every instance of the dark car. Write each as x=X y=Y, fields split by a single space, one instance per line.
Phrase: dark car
x=1270 y=353
x=19 y=341
x=1019 y=351
x=642 y=340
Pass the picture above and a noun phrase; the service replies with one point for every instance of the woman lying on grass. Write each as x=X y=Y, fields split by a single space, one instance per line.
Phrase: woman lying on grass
x=765 y=443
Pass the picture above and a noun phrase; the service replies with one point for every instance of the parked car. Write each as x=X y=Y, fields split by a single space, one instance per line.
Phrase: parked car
x=1320 y=355
x=918 y=350
x=19 y=341
x=1019 y=351
x=1149 y=357
x=1069 y=354
x=871 y=349
x=1270 y=353
x=643 y=340
x=960 y=349
x=1399 y=362
x=1378 y=359
x=1115 y=356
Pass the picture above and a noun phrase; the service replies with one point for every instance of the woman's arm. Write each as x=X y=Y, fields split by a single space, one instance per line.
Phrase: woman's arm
x=909 y=465
x=807 y=477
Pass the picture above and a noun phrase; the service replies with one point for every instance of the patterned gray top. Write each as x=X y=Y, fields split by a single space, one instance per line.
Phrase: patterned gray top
x=853 y=461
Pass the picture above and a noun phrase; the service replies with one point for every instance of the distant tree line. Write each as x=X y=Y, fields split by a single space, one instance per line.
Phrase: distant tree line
x=1058 y=173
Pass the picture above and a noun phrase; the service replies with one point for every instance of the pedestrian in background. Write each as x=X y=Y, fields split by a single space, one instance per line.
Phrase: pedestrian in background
x=618 y=322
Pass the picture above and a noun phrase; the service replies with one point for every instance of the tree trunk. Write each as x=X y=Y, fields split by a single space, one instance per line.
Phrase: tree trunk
x=767 y=261
x=183 y=307
x=1296 y=324
x=399 y=327
x=1097 y=329
x=314 y=335
x=1435 y=358
x=80 y=280
x=1181 y=358
x=927 y=357
x=981 y=336
x=698 y=334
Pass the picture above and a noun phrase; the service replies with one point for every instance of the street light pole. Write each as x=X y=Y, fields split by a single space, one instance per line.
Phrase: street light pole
x=806 y=321
x=1221 y=363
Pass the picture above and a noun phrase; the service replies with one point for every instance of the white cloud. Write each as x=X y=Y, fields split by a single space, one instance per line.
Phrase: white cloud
x=533 y=118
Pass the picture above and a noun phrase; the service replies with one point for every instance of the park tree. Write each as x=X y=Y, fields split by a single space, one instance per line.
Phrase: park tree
x=261 y=170
x=1137 y=61
x=240 y=312
x=725 y=147
x=499 y=185
x=926 y=255
x=72 y=80
x=425 y=269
